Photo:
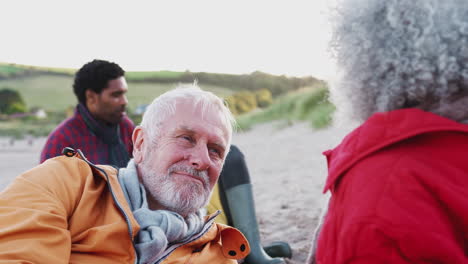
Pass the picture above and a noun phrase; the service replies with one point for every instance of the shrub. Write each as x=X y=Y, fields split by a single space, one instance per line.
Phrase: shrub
x=242 y=102
x=11 y=102
x=310 y=105
x=245 y=101
x=230 y=101
x=264 y=98
x=16 y=107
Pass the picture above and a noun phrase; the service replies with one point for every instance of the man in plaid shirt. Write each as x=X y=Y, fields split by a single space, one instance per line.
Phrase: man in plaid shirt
x=99 y=126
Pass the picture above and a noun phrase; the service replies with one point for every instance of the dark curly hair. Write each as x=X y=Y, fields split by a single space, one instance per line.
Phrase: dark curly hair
x=95 y=75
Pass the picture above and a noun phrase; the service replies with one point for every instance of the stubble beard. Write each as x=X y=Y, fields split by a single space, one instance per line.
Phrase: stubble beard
x=183 y=199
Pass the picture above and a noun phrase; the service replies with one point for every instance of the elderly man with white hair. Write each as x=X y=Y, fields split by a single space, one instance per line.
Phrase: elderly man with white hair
x=399 y=182
x=68 y=210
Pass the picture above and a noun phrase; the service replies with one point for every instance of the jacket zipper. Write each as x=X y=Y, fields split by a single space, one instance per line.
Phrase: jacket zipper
x=127 y=219
x=171 y=249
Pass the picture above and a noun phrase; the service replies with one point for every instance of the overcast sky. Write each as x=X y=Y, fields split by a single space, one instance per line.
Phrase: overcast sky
x=238 y=36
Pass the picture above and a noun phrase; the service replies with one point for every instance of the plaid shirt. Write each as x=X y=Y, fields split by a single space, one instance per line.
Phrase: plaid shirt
x=74 y=133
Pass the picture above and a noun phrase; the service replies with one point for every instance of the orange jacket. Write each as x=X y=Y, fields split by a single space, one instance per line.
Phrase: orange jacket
x=66 y=211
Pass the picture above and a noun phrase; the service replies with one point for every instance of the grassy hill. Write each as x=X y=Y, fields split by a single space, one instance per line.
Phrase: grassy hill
x=51 y=89
x=55 y=92
x=309 y=104
x=8 y=70
x=255 y=81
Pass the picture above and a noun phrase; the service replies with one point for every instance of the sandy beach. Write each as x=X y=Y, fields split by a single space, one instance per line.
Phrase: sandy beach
x=286 y=166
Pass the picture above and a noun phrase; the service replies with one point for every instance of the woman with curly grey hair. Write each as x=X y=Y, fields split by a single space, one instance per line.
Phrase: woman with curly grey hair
x=399 y=182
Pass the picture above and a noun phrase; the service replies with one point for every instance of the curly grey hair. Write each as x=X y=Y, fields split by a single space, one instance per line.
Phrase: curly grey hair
x=397 y=54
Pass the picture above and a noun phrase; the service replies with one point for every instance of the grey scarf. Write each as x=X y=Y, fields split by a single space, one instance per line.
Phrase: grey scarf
x=109 y=134
x=159 y=228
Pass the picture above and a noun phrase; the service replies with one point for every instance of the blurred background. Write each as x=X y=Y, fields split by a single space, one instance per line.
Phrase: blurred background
x=268 y=59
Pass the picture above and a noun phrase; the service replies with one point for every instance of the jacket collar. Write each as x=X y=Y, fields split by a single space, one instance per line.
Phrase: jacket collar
x=379 y=131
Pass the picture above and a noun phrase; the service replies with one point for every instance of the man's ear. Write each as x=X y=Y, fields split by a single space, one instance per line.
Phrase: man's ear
x=91 y=99
x=138 y=138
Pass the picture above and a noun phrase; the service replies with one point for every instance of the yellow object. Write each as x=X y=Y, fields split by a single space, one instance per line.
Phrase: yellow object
x=215 y=204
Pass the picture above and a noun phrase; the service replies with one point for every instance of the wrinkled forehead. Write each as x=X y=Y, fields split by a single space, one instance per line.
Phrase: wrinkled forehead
x=206 y=112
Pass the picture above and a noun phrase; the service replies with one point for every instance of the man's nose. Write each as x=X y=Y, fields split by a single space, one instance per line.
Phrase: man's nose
x=124 y=100
x=200 y=158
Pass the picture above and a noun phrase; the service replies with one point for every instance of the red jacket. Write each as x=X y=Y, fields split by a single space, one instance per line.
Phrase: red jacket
x=399 y=187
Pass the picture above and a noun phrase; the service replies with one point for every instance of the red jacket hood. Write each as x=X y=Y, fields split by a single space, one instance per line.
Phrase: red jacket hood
x=379 y=131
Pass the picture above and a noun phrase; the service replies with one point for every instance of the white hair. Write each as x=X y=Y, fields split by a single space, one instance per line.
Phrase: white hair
x=395 y=54
x=165 y=105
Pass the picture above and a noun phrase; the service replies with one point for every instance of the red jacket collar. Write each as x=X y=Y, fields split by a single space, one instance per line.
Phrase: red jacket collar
x=379 y=131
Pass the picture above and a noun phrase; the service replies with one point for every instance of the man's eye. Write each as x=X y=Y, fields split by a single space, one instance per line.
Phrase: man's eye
x=188 y=138
x=215 y=151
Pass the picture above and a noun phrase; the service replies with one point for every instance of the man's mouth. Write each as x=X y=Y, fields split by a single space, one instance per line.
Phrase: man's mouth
x=188 y=175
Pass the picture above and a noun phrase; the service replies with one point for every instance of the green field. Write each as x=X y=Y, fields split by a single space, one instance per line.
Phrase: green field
x=55 y=93
x=150 y=74
x=309 y=104
x=51 y=89
x=8 y=70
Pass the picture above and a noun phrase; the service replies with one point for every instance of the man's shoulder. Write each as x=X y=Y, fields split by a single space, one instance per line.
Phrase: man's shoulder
x=60 y=171
x=62 y=136
x=127 y=123
x=72 y=169
x=69 y=124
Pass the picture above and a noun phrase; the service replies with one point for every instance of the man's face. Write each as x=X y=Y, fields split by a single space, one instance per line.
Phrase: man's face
x=180 y=169
x=109 y=105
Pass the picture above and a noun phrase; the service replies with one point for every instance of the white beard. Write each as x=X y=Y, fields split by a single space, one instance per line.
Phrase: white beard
x=182 y=199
